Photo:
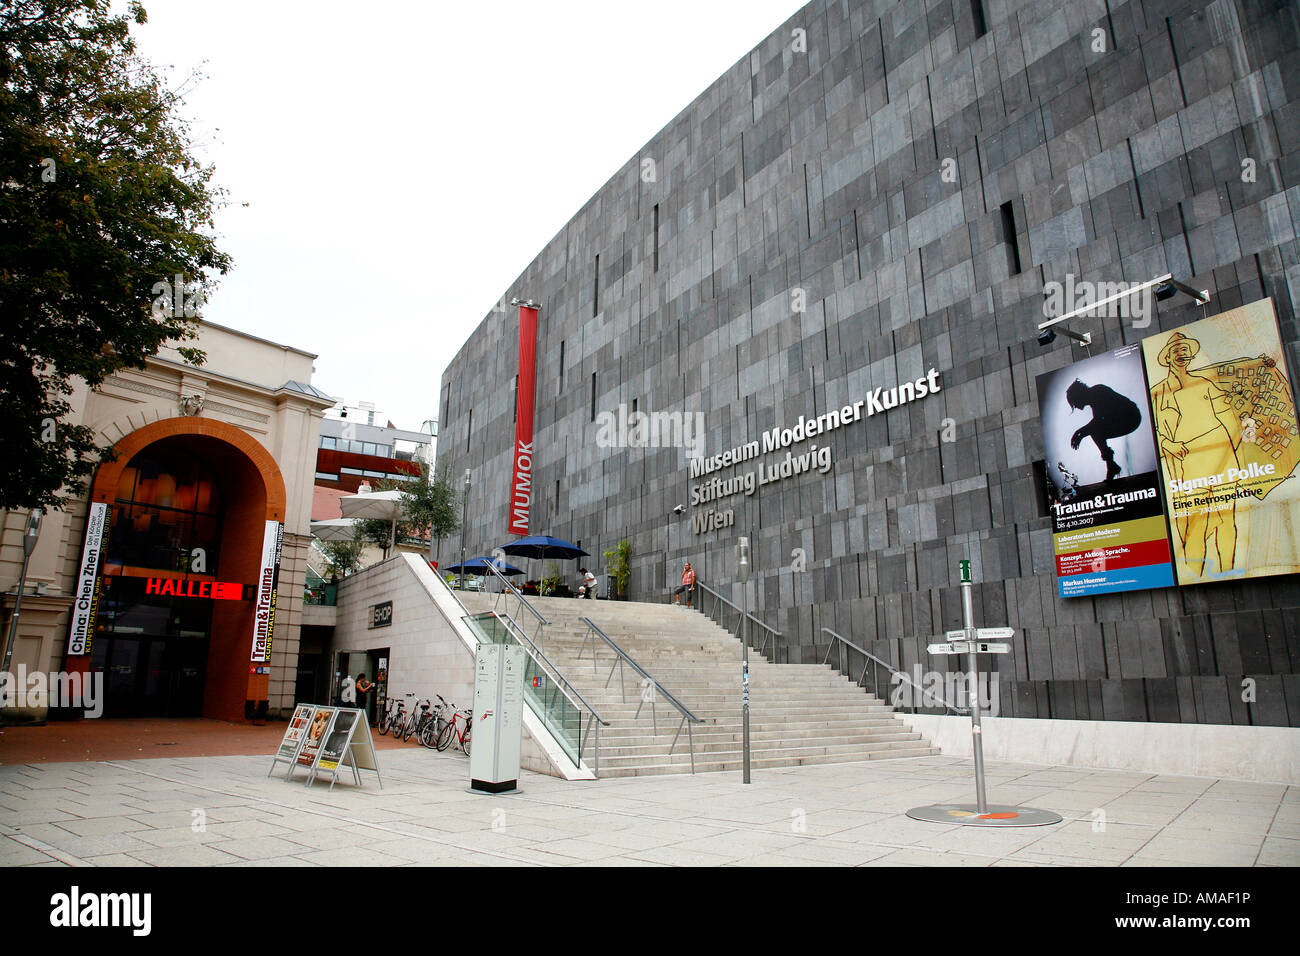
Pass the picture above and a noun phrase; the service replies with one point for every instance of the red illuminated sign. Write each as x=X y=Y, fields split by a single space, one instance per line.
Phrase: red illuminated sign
x=212 y=590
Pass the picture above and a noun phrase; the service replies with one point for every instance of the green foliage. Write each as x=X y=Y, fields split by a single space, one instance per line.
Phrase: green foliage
x=344 y=556
x=619 y=558
x=100 y=200
x=430 y=505
x=552 y=579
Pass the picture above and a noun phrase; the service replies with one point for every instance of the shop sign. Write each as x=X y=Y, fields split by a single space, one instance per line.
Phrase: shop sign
x=381 y=615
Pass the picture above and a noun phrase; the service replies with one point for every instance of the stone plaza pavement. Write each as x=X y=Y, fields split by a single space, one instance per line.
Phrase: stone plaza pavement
x=225 y=811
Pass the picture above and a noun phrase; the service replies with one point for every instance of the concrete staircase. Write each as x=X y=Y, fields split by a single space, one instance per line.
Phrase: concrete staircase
x=799 y=713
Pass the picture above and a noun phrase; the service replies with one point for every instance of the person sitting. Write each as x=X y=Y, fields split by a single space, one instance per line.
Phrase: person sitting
x=588 y=587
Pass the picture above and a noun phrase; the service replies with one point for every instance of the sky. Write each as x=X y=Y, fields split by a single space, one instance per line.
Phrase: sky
x=391 y=168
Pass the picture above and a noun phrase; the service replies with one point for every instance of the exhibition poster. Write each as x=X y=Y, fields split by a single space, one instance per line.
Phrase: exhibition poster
x=1225 y=420
x=1108 y=523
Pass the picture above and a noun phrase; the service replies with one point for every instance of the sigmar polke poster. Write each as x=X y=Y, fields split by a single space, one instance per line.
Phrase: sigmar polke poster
x=1225 y=421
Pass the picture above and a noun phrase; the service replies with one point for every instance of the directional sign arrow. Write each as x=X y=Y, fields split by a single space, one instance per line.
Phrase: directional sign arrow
x=955 y=635
x=988 y=647
x=995 y=633
x=954 y=647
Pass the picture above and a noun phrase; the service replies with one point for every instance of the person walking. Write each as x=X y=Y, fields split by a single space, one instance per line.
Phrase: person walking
x=687 y=586
x=363 y=689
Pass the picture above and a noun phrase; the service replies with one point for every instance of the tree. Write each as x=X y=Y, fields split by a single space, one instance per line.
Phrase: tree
x=429 y=508
x=102 y=207
x=344 y=556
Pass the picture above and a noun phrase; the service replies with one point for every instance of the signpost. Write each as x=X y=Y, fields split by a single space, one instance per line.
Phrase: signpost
x=742 y=573
x=972 y=640
x=498 y=718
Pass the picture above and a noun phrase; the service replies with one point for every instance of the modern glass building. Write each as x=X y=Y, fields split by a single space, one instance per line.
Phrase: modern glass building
x=826 y=278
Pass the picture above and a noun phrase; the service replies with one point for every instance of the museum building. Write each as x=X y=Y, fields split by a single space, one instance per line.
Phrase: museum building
x=178 y=575
x=808 y=311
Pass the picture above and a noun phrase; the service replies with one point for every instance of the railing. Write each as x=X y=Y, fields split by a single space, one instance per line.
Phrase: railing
x=649 y=684
x=503 y=601
x=875 y=663
x=555 y=701
x=721 y=606
x=326 y=595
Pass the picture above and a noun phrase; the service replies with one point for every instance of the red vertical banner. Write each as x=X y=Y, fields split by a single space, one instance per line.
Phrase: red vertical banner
x=521 y=495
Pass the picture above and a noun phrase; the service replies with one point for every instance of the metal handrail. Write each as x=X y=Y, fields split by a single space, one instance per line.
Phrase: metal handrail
x=772 y=632
x=622 y=656
x=511 y=589
x=555 y=673
x=894 y=672
x=560 y=681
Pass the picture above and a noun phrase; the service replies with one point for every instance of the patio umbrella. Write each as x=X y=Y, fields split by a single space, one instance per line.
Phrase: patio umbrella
x=385 y=505
x=480 y=566
x=544 y=546
x=335 y=529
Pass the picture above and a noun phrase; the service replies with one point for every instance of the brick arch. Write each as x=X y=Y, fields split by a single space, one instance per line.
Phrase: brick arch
x=104 y=488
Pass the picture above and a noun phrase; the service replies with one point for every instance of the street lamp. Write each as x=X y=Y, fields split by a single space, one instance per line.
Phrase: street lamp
x=464 y=520
x=742 y=572
x=30 y=535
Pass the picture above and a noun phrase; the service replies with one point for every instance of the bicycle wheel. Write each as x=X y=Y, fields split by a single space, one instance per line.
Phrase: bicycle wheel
x=464 y=744
x=407 y=729
x=385 y=722
x=428 y=733
x=445 y=738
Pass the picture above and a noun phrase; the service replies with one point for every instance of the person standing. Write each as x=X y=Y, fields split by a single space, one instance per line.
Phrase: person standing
x=363 y=689
x=588 y=586
x=687 y=587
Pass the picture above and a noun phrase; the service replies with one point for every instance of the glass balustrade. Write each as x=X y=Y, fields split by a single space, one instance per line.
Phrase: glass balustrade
x=545 y=697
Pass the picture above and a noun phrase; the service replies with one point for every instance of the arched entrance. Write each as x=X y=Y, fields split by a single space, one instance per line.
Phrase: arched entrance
x=189 y=503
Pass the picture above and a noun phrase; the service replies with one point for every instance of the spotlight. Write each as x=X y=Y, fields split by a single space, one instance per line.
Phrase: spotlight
x=1166 y=291
x=679 y=509
x=1046 y=337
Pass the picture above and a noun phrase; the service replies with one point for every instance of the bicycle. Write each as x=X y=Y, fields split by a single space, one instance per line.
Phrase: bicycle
x=403 y=723
x=450 y=732
x=416 y=724
x=432 y=723
x=392 y=711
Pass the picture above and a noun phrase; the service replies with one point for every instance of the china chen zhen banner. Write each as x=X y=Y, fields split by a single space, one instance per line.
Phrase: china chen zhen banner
x=1108 y=520
x=1226 y=424
x=268 y=580
x=85 y=603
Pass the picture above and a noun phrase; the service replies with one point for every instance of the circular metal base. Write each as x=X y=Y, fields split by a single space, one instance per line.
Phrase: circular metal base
x=967 y=814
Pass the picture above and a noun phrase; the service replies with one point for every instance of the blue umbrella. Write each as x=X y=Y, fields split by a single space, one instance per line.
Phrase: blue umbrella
x=544 y=546
x=480 y=566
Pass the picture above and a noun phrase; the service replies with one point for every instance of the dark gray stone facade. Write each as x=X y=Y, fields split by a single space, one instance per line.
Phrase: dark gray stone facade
x=916 y=177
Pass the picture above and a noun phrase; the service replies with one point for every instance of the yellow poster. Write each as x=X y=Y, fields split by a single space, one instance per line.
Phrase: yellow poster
x=1225 y=421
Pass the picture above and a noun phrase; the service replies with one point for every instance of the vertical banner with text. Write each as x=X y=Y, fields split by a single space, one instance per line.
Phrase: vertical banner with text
x=85 y=602
x=268 y=579
x=1225 y=419
x=1108 y=523
x=521 y=459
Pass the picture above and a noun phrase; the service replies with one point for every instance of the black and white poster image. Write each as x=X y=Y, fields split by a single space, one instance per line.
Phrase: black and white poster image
x=1096 y=426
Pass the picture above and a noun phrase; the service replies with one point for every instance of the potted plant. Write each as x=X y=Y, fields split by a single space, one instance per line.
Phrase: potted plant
x=620 y=567
x=551 y=580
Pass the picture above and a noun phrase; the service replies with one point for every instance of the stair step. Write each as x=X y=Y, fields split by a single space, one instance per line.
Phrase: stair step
x=799 y=713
